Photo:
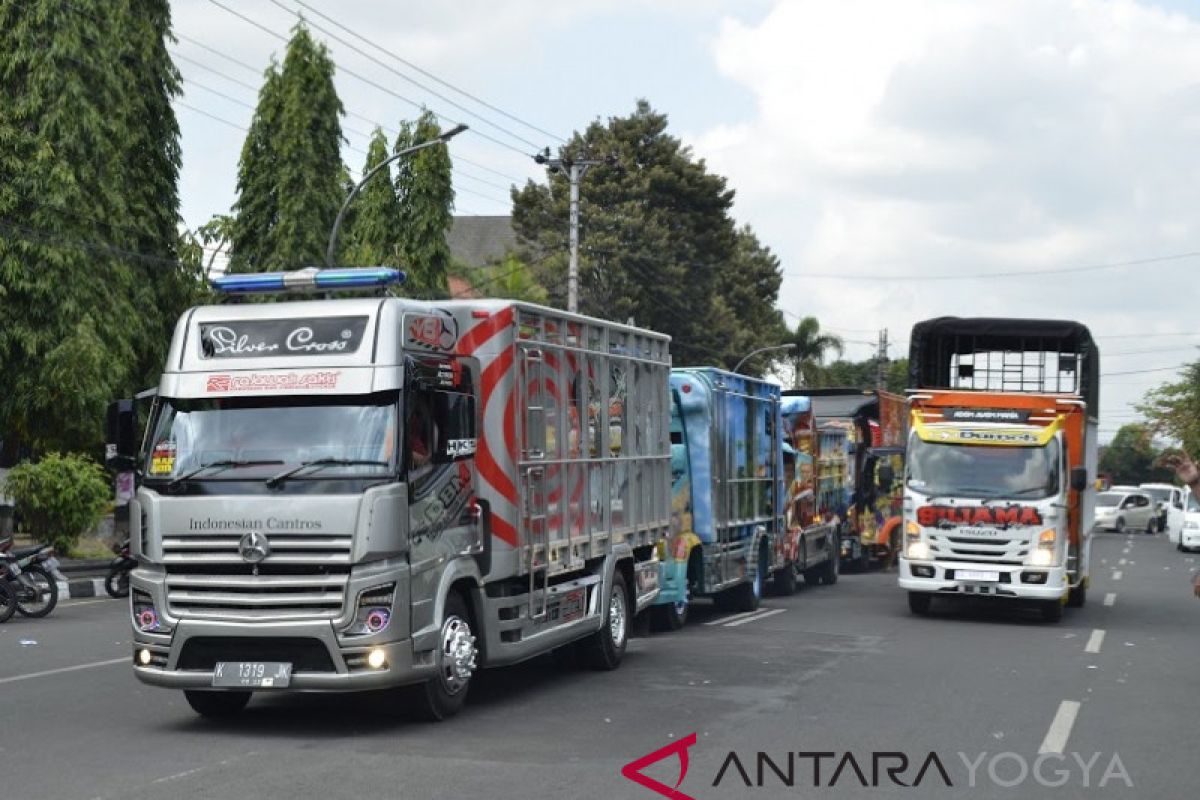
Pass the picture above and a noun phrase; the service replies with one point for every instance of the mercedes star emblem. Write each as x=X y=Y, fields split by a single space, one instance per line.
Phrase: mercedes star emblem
x=254 y=547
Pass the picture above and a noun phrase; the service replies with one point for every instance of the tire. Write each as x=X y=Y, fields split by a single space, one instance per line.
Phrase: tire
x=669 y=616
x=746 y=596
x=784 y=581
x=116 y=583
x=833 y=567
x=1179 y=547
x=1077 y=596
x=47 y=593
x=1120 y=525
x=864 y=560
x=216 y=705
x=1052 y=610
x=919 y=603
x=605 y=648
x=443 y=696
x=8 y=599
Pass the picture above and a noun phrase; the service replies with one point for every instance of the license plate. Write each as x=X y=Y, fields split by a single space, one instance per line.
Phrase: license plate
x=252 y=674
x=974 y=575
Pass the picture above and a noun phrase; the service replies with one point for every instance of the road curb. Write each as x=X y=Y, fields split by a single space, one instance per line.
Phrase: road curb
x=81 y=587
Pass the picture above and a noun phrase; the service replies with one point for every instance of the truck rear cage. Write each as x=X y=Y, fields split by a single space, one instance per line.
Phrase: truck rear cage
x=1005 y=355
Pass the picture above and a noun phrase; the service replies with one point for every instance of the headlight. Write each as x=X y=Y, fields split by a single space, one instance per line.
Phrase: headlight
x=1044 y=555
x=374 y=611
x=918 y=550
x=145 y=616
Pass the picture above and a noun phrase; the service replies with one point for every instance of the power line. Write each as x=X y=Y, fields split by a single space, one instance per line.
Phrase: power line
x=983 y=275
x=430 y=75
x=371 y=82
x=1142 y=335
x=1143 y=371
x=402 y=76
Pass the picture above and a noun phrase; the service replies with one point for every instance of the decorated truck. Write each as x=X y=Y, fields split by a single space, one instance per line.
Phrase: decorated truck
x=999 y=494
x=814 y=469
x=875 y=425
x=346 y=494
x=727 y=493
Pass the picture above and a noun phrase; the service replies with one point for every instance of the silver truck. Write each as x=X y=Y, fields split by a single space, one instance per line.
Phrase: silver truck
x=352 y=494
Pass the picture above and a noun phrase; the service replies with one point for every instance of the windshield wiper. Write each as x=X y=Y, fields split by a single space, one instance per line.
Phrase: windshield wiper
x=1029 y=489
x=275 y=480
x=226 y=463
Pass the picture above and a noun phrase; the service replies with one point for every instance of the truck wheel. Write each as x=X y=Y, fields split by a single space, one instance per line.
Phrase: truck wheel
x=864 y=559
x=216 y=705
x=1078 y=595
x=831 y=568
x=669 y=616
x=919 y=602
x=444 y=696
x=784 y=582
x=604 y=648
x=1052 y=610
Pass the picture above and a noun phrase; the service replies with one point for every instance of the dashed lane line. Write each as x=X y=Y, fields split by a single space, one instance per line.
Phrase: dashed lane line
x=756 y=617
x=1116 y=575
x=723 y=620
x=60 y=670
x=1110 y=598
x=1095 y=641
x=1060 y=728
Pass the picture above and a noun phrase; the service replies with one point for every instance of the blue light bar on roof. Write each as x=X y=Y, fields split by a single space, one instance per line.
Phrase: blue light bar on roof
x=310 y=279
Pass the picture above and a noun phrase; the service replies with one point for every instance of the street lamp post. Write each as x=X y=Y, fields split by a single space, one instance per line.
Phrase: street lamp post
x=337 y=223
x=768 y=349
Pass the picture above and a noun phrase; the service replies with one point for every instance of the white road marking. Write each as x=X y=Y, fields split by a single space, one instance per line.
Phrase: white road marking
x=70 y=603
x=1060 y=728
x=1122 y=561
x=756 y=617
x=1125 y=551
x=723 y=620
x=1116 y=575
x=1110 y=598
x=1095 y=641
x=60 y=670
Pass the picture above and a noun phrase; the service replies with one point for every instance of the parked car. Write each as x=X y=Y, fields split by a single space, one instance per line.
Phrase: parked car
x=1118 y=511
x=1189 y=535
x=1169 y=502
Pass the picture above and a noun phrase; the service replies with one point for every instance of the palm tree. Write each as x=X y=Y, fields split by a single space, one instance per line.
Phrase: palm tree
x=810 y=348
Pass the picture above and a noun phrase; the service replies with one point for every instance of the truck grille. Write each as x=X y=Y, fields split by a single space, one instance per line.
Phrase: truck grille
x=304 y=576
x=999 y=550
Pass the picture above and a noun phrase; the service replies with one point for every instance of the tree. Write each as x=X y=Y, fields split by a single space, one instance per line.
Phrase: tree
x=425 y=192
x=373 y=234
x=658 y=244
x=290 y=175
x=1173 y=409
x=1131 y=455
x=513 y=279
x=810 y=347
x=89 y=154
x=864 y=374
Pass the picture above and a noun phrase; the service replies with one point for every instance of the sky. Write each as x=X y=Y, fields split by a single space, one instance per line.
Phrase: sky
x=905 y=159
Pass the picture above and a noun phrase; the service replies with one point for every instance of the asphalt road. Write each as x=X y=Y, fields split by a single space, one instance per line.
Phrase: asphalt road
x=839 y=670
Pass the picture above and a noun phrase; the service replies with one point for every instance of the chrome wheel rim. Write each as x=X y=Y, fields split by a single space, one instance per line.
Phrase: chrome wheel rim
x=457 y=655
x=616 y=616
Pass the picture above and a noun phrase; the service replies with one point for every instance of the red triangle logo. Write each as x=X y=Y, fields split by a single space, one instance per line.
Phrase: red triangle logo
x=633 y=770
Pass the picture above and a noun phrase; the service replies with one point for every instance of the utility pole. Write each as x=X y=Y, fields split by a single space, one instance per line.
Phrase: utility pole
x=575 y=169
x=881 y=358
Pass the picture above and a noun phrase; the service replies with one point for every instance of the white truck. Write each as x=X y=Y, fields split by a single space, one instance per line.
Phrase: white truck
x=346 y=494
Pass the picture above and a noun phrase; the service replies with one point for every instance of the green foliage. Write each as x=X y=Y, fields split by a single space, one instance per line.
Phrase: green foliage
x=290 y=175
x=372 y=236
x=809 y=349
x=513 y=279
x=1173 y=409
x=864 y=374
x=90 y=282
x=61 y=497
x=1130 y=457
x=425 y=193
x=658 y=244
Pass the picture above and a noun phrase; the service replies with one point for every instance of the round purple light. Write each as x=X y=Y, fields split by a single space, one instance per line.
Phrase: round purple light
x=377 y=620
x=147 y=619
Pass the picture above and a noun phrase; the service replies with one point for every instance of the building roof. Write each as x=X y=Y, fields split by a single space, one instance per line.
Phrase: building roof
x=479 y=241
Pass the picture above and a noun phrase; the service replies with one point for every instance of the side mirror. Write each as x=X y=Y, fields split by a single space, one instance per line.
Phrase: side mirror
x=122 y=435
x=455 y=437
x=1079 y=478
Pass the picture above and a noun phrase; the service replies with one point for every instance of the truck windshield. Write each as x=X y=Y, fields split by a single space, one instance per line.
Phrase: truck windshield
x=958 y=470
x=256 y=438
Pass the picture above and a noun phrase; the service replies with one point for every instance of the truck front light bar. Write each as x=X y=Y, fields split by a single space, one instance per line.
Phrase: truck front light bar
x=310 y=279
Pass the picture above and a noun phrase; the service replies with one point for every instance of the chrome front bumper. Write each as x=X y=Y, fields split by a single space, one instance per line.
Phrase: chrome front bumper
x=1009 y=586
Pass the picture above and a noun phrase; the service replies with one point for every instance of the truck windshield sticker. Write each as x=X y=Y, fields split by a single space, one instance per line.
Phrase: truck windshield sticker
x=1003 y=437
x=272 y=338
x=1010 y=415
x=268 y=382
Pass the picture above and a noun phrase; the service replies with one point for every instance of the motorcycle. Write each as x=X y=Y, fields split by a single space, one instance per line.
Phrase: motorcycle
x=33 y=573
x=8 y=596
x=116 y=583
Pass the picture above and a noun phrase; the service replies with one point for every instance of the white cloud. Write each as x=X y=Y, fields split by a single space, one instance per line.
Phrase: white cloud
x=936 y=136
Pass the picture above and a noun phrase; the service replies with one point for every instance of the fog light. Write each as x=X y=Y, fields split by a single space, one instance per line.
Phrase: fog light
x=1033 y=577
x=922 y=571
x=144 y=657
x=376 y=659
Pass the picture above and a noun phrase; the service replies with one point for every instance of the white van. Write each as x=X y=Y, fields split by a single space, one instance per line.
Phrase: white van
x=1189 y=536
x=1168 y=501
